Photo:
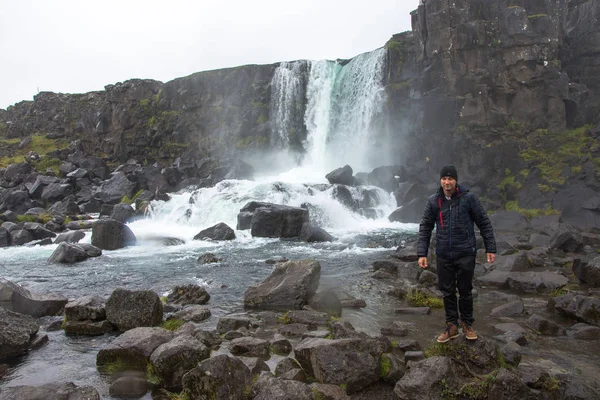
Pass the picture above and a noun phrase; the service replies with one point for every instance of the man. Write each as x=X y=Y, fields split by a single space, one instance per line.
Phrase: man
x=453 y=211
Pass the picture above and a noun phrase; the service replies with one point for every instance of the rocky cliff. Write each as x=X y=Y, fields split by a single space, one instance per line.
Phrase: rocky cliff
x=508 y=90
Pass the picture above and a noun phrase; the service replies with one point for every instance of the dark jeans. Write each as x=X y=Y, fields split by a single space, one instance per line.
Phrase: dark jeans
x=453 y=274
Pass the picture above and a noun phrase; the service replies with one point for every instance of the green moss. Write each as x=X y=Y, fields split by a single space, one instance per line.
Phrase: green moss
x=252 y=142
x=394 y=344
x=262 y=118
x=385 y=366
x=530 y=213
x=317 y=394
x=46 y=163
x=535 y=16
x=576 y=169
x=9 y=142
x=509 y=181
x=284 y=319
x=128 y=200
x=417 y=298
x=39 y=144
x=3 y=127
x=558 y=292
x=394 y=46
x=163 y=299
x=116 y=366
x=152 y=376
x=172 y=324
x=397 y=86
x=446 y=392
x=549 y=383
x=514 y=125
x=344 y=387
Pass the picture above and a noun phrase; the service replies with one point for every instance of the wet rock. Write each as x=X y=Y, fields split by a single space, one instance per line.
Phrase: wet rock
x=326 y=301
x=134 y=347
x=413 y=310
x=342 y=176
x=512 y=309
x=38 y=231
x=290 y=286
x=508 y=385
x=17 y=332
x=311 y=233
x=254 y=364
x=286 y=365
x=220 y=231
x=293 y=330
x=423 y=379
x=129 y=387
x=270 y=388
x=122 y=212
x=50 y=391
x=510 y=327
x=229 y=323
x=250 y=347
x=535 y=282
x=338 y=362
x=110 y=234
x=208 y=338
x=588 y=273
x=280 y=345
x=70 y=237
x=545 y=326
x=128 y=309
x=23 y=301
x=274 y=220
x=584 y=332
x=188 y=294
x=114 y=189
x=85 y=308
x=398 y=328
x=88 y=327
x=390 y=266
x=193 y=313
x=173 y=359
x=511 y=353
x=313 y=319
x=582 y=308
x=392 y=367
x=69 y=253
x=208 y=258
x=219 y=377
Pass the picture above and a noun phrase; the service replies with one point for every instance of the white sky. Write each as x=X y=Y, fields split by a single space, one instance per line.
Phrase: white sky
x=78 y=46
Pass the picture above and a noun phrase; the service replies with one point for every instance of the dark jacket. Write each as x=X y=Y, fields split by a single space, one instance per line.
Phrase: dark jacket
x=454 y=221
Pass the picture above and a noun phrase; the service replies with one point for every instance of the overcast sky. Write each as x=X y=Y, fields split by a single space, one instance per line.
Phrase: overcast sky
x=79 y=46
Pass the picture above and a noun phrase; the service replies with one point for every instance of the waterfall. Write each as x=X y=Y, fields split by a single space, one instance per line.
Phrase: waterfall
x=287 y=99
x=341 y=103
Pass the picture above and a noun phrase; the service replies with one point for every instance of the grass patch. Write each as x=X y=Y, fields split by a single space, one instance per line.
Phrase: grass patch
x=284 y=319
x=172 y=324
x=127 y=200
x=113 y=367
x=46 y=163
x=385 y=366
x=39 y=144
x=558 y=292
x=530 y=213
x=152 y=376
x=535 y=16
x=417 y=298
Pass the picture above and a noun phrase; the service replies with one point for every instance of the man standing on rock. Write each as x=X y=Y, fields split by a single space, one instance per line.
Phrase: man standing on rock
x=453 y=211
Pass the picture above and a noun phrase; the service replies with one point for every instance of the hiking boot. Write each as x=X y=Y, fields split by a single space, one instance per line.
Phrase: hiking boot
x=468 y=331
x=451 y=332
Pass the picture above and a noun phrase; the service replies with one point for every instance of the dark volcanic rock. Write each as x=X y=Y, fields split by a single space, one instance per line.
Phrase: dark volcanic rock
x=220 y=231
x=110 y=234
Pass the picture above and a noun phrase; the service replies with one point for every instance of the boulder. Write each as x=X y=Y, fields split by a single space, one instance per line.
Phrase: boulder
x=410 y=212
x=122 y=212
x=19 y=237
x=114 y=189
x=220 y=231
x=508 y=221
x=38 y=231
x=129 y=387
x=545 y=327
x=326 y=301
x=110 y=234
x=511 y=309
x=69 y=253
x=341 y=361
x=50 y=391
x=88 y=328
x=17 y=332
x=230 y=323
x=188 y=294
x=17 y=201
x=588 y=273
x=535 y=282
x=134 y=348
x=23 y=301
x=219 y=377
x=250 y=347
x=70 y=237
x=274 y=220
x=342 y=175
x=582 y=308
x=289 y=287
x=208 y=258
x=192 y=313
x=56 y=191
x=342 y=195
x=128 y=309
x=171 y=360
x=85 y=308
x=567 y=239
x=312 y=233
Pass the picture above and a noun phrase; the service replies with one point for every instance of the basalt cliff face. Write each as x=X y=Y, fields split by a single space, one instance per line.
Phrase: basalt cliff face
x=508 y=90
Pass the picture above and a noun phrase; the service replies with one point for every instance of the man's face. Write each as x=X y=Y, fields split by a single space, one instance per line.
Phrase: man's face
x=448 y=184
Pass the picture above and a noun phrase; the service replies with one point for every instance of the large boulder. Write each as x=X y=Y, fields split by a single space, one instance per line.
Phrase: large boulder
x=114 y=189
x=410 y=212
x=423 y=380
x=338 y=362
x=50 y=391
x=70 y=237
x=220 y=377
x=110 y=234
x=290 y=286
x=312 y=233
x=122 y=212
x=84 y=308
x=16 y=333
x=21 y=300
x=17 y=201
x=69 y=253
x=173 y=359
x=133 y=348
x=342 y=175
x=220 y=231
x=579 y=307
x=272 y=220
x=188 y=294
x=588 y=273
x=128 y=309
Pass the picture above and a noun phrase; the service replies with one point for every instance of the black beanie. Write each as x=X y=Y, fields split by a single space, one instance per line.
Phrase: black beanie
x=449 y=170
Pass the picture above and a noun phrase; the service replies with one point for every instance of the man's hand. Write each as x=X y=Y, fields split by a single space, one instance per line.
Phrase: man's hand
x=423 y=262
x=491 y=257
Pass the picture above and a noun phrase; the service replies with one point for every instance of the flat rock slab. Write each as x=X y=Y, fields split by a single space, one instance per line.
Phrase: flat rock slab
x=413 y=310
